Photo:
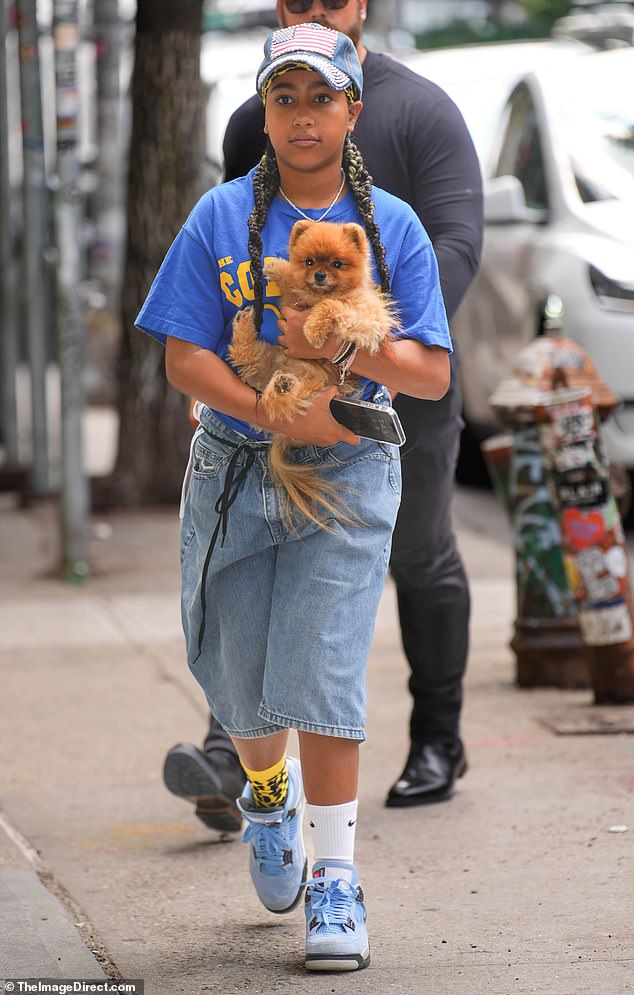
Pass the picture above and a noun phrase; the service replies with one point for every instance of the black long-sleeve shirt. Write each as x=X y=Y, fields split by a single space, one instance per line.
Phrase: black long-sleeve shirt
x=416 y=145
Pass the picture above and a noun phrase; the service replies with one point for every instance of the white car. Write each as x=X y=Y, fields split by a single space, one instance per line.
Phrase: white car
x=560 y=220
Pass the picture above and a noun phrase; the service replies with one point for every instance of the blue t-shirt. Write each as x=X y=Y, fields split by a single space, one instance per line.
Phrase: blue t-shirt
x=205 y=277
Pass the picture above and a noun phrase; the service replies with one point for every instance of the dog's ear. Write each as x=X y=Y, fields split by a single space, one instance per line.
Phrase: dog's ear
x=298 y=229
x=355 y=234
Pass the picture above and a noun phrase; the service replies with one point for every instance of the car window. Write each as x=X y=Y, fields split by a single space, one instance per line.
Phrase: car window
x=597 y=114
x=521 y=150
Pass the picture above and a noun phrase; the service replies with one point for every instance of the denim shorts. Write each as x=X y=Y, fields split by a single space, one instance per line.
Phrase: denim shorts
x=278 y=620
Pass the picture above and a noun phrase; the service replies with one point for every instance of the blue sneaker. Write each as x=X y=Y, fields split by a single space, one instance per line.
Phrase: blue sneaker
x=277 y=862
x=336 y=934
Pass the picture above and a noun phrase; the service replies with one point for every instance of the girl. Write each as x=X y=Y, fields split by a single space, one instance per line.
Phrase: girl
x=278 y=619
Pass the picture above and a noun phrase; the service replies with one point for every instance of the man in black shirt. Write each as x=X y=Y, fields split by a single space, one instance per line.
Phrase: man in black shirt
x=415 y=144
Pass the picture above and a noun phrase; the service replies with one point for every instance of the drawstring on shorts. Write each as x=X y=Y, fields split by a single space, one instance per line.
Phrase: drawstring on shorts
x=230 y=489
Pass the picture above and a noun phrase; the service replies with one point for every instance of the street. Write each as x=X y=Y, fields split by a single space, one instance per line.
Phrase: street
x=521 y=883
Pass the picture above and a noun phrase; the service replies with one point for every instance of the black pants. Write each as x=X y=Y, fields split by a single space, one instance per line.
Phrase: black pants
x=433 y=593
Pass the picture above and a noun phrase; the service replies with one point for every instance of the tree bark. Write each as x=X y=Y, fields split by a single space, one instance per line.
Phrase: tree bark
x=164 y=182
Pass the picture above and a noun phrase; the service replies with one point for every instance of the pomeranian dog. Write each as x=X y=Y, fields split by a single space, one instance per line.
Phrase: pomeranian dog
x=328 y=270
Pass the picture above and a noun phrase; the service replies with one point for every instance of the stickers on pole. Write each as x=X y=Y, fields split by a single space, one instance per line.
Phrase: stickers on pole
x=543 y=591
x=592 y=535
x=605 y=626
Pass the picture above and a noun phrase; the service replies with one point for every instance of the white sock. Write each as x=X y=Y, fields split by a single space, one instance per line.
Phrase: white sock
x=332 y=829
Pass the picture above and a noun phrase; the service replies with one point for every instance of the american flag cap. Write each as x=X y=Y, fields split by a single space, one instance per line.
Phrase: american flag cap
x=329 y=52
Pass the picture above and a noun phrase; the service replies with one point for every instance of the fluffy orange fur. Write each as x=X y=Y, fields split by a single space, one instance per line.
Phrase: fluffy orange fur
x=328 y=270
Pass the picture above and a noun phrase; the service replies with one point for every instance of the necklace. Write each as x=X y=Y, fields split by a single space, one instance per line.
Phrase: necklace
x=328 y=209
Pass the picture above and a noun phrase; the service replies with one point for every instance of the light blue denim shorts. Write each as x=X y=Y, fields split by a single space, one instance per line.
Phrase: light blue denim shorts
x=278 y=622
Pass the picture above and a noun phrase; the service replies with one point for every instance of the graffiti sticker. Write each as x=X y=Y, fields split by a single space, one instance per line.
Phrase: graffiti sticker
x=572 y=423
x=582 y=492
x=606 y=626
x=600 y=585
x=582 y=529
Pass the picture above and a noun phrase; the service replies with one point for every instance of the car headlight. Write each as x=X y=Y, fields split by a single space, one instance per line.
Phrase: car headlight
x=612 y=294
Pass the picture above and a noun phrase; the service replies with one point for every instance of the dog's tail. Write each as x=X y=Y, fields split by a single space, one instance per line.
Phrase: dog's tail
x=303 y=487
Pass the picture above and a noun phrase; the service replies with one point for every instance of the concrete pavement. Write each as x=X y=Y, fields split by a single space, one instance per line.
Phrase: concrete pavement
x=519 y=884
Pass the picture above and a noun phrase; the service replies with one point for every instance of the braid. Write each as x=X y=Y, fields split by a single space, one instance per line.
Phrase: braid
x=360 y=183
x=266 y=181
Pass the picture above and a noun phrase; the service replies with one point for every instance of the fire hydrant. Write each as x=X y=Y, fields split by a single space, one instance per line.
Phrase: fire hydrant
x=574 y=592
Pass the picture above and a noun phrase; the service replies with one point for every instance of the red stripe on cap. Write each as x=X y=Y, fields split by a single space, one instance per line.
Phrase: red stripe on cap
x=306 y=37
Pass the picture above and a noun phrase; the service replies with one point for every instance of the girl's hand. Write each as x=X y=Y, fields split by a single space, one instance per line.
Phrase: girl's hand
x=317 y=427
x=292 y=340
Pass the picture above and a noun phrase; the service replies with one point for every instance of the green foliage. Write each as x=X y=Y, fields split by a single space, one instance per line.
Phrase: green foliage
x=545 y=12
x=540 y=16
x=464 y=34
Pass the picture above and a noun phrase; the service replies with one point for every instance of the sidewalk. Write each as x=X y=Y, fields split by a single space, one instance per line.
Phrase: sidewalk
x=518 y=885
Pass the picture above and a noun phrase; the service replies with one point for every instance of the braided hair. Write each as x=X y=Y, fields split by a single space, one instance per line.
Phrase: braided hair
x=266 y=183
x=360 y=183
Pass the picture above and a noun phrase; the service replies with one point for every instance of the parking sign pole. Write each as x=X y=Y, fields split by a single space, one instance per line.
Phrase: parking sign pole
x=8 y=315
x=70 y=324
x=35 y=196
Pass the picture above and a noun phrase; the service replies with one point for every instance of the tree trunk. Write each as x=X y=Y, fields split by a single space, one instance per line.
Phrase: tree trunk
x=166 y=154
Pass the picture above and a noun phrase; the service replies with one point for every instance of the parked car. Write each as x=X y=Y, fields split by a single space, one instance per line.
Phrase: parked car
x=560 y=220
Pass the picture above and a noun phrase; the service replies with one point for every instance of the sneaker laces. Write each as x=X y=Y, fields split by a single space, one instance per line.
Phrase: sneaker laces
x=331 y=906
x=269 y=845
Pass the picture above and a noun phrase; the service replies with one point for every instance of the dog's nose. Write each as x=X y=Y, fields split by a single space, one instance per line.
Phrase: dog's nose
x=320 y=276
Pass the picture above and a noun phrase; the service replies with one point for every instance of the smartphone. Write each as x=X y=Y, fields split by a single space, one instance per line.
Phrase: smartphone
x=370 y=421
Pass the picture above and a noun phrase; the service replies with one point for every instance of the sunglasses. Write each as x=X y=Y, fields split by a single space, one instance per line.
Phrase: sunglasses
x=302 y=6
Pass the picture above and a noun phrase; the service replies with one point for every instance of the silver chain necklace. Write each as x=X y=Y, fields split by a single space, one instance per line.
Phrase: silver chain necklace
x=328 y=209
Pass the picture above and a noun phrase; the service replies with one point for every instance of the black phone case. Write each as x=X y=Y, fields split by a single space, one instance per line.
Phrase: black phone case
x=370 y=421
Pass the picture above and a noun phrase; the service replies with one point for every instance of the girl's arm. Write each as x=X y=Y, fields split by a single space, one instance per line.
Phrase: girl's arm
x=407 y=367
x=403 y=365
x=201 y=374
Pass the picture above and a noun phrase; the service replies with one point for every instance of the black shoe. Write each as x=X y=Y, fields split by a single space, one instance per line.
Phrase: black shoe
x=212 y=780
x=429 y=776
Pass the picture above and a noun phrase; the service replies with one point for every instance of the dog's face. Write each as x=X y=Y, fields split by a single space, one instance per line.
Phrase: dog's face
x=328 y=258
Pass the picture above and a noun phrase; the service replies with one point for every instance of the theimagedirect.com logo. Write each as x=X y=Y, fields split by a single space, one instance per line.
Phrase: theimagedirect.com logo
x=71 y=986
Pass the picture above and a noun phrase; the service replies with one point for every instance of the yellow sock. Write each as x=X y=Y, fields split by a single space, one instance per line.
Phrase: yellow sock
x=269 y=786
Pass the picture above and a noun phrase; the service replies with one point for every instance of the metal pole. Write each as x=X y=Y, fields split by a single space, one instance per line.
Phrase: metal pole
x=70 y=326
x=109 y=189
x=34 y=235
x=8 y=300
